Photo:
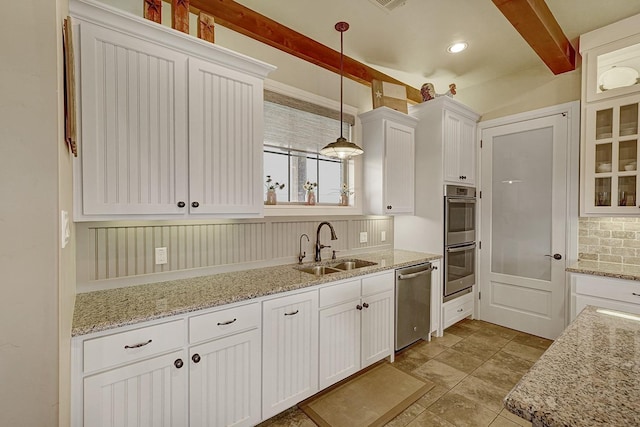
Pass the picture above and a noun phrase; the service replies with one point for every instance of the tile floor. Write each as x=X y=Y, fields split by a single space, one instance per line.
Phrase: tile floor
x=472 y=367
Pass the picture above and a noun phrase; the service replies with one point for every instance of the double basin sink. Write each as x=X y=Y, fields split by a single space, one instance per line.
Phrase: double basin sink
x=336 y=267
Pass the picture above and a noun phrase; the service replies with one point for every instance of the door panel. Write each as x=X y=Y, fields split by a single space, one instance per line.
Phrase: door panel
x=524 y=184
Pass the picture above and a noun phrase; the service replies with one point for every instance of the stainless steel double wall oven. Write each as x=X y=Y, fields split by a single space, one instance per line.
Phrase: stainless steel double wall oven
x=459 y=241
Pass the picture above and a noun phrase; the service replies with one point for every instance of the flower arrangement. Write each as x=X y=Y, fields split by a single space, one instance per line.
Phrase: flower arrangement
x=310 y=186
x=273 y=186
x=345 y=191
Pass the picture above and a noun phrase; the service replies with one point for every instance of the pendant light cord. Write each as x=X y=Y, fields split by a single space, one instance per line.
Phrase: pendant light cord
x=341 y=27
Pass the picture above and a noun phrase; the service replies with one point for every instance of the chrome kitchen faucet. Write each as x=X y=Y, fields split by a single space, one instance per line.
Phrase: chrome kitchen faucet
x=320 y=246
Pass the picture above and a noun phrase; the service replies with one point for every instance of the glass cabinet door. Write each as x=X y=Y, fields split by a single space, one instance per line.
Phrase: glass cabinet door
x=611 y=162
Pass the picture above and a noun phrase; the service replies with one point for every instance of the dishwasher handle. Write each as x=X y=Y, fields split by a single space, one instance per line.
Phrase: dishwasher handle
x=412 y=275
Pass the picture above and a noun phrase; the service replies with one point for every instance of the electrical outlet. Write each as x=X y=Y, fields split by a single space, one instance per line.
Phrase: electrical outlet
x=161 y=256
x=383 y=236
x=363 y=237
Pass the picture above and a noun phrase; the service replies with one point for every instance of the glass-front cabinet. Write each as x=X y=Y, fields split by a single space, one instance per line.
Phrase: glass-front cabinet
x=611 y=157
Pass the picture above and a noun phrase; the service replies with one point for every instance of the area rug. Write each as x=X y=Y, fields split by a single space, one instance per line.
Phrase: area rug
x=372 y=398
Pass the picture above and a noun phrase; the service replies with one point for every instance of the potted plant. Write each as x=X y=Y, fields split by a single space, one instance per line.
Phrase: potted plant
x=310 y=187
x=271 y=191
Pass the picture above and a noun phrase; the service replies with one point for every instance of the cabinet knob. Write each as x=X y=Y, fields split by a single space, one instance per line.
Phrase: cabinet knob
x=389 y=207
x=435 y=267
x=195 y=358
x=555 y=256
x=365 y=305
x=358 y=307
x=195 y=204
x=178 y=363
x=181 y=204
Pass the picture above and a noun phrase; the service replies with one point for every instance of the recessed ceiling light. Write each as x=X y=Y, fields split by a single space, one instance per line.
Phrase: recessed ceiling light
x=457 y=47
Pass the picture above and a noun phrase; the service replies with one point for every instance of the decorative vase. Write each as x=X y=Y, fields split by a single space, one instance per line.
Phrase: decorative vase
x=344 y=200
x=271 y=198
x=311 y=198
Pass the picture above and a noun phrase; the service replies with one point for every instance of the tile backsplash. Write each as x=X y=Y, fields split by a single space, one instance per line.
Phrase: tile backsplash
x=609 y=239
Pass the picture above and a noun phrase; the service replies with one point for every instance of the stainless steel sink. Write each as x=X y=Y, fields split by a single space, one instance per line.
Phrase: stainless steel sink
x=353 y=264
x=336 y=267
x=319 y=270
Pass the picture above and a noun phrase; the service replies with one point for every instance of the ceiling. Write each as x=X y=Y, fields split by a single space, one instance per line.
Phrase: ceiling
x=409 y=43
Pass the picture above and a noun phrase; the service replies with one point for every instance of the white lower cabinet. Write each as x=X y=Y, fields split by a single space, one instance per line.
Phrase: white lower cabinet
x=148 y=393
x=290 y=351
x=457 y=309
x=356 y=326
x=235 y=365
x=606 y=292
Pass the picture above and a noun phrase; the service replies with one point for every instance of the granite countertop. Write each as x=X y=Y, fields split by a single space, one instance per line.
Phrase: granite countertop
x=607 y=269
x=102 y=310
x=590 y=376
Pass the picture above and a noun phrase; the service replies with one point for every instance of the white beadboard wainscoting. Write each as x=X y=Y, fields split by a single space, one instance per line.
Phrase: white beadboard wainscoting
x=122 y=253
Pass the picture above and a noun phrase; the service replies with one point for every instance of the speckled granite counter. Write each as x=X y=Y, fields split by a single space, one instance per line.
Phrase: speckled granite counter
x=101 y=310
x=608 y=269
x=590 y=376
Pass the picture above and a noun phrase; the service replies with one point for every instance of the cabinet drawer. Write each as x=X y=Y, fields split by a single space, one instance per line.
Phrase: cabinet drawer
x=124 y=347
x=457 y=309
x=224 y=322
x=377 y=284
x=342 y=292
x=616 y=289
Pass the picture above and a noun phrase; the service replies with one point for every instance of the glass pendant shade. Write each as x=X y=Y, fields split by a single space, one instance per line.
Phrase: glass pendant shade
x=342 y=148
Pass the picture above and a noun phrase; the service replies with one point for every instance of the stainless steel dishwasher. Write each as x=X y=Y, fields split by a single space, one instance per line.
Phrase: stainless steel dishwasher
x=413 y=304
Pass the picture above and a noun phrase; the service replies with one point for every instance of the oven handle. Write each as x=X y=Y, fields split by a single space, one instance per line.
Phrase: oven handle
x=461 y=248
x=461 y=200
x=412 y=275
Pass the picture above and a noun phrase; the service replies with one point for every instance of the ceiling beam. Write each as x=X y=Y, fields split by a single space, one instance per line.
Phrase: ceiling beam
x=537 y=25
x=241 y=19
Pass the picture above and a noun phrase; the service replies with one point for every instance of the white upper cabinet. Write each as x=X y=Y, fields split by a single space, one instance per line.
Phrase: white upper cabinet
x=459 y=136
x=170 y=126
x=389 y=148
x=609 y=179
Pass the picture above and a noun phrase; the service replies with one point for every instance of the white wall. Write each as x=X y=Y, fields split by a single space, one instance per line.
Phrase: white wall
x=30 y=261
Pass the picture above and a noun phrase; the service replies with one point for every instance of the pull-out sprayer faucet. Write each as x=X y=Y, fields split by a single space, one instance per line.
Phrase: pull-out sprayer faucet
x=319 y=246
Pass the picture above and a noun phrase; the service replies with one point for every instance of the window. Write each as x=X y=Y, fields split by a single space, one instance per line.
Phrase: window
x=294 y=133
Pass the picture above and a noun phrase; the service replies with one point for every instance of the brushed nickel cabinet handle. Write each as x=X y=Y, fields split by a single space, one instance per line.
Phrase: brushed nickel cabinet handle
x=142 y=344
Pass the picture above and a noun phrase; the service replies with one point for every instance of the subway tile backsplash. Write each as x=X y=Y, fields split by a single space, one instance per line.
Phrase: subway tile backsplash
x=609 y=239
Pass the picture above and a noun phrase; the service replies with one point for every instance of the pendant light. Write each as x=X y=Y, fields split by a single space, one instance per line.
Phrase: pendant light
x=342 y=148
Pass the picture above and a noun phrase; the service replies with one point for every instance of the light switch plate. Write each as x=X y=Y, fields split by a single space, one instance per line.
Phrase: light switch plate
x=161 y=256
x=363 y=237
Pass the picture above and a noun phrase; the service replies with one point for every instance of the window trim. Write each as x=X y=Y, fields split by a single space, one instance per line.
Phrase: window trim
x=292 y=209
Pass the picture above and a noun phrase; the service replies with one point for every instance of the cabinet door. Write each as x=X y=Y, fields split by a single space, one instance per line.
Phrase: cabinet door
x=224 y=378
x=611 y=157
x=339 y=342
x=134 y=125
x=148 y=393
x=377 y=327
x=225 y=141
x=399 y=168
x=459 y=136
x=290 y=351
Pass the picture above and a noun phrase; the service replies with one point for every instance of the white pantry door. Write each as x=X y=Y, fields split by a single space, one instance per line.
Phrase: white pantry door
x=523 y=222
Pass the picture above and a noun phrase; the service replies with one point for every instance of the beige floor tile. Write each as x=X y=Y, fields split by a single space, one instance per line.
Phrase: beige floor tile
x=430 y=397
x=488 y=338
x=482 y=392
x=497 y=375
x=460 y=330
x=292 y=417
x=431 y=349
x=439 y=373
x=523 y=351
x=501 y=330
x=532 y=341
x=461 y=361
x=473 y=324
x=447 y=339
x=514 y=418
x=509 y=361
x=502 y=422
x=475 y=348
x=429 y=419
x=406 y=416
x=462 y=412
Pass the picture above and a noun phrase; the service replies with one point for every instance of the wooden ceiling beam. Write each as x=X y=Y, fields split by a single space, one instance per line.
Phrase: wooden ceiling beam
x=241 y=19
x=537 y=25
